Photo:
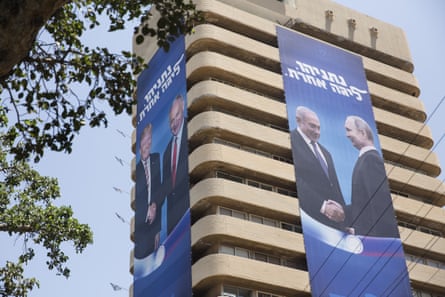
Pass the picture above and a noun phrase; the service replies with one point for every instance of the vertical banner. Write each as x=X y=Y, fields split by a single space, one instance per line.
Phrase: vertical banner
x=162 y=256
x=353 y=247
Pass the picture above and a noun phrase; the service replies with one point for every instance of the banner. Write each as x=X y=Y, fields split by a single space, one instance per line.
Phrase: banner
x=162 y=263
x=353 y=247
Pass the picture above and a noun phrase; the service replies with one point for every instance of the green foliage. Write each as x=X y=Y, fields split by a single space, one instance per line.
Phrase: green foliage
x=41 y=109
x=27 y=212
x=40 y=92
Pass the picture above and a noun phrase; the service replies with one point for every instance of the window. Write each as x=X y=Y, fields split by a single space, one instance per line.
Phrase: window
x=253 y=183
x=420 y=228
x=225 y=211
x=260 y=257
x=274 y=260
x=231 y=177
x=290 y=264
x=262 y=294
x=256 y=184
x=232 y=213
x=425 y=261
x=240 y=252
x=256 y=219
x=419 y=293
x=407 y=225
x=259 y=219
x=286 y=192
x=263 y=220
x=238 y=214
x=223 y=249
x=236 y=292
x=266 y=187
x=291 y=227
x=430 y=231
x=269 y=222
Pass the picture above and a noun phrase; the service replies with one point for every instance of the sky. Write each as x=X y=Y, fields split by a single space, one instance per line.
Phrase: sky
x=100 y=162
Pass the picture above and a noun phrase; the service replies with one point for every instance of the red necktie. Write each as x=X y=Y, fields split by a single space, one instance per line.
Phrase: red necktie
x=175 y=150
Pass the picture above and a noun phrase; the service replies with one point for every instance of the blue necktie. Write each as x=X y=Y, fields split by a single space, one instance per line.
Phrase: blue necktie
x=320 y=159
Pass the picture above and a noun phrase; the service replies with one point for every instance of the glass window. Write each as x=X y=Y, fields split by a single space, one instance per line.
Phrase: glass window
x=274 y=260
x=269 y=222
x=266 y=187
x=256 y=219
x=223 y=249
x=291 y=264
x=224 y=175
x=286 y=226
x=242 y=252
x=238 y=214
x=253 y=183
x=407 y=225
x=262 y=294
x=230 y=291
x=236 y=292
x=282 y=191
x=244 y=293
x=225 y=211
x=261 y=257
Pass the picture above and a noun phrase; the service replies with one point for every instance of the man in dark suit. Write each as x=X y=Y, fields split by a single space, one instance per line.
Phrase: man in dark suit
x=317 y=183
x=175 y=166
x=371 y=211
x=148 y=198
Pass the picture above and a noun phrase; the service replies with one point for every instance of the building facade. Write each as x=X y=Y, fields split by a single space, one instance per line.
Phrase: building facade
x=246 y=233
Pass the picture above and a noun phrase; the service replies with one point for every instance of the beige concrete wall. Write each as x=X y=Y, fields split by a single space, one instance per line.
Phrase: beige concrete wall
x=217 y=191
x=261 y=235
x=245 y=130
x=209 y=155
x=426 y=276
x=212 y=37
x=418 y=184
x=390 y=39
x=417 y=212
x=423 y=241
x=252 y=235
x=255 y=273
x=208 y=64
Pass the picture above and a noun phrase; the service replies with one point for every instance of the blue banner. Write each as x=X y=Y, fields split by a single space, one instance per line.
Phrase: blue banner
x=162 y=255
x=353 y=247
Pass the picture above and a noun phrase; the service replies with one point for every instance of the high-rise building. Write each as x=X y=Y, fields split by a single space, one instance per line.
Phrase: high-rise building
x=246 y=233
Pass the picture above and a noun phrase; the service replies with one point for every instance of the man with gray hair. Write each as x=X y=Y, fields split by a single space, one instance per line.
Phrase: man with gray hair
x=318 y=188
x=371 y=211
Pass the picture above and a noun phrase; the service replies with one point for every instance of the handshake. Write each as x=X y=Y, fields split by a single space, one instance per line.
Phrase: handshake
x=333 y=211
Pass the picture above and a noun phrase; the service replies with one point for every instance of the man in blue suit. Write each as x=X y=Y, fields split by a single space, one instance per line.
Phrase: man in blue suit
x=175 y=166
x=318 y=188
x=149 y=197
x=371 y=211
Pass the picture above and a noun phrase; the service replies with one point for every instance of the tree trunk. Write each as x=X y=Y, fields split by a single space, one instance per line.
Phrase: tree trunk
x=20 y=22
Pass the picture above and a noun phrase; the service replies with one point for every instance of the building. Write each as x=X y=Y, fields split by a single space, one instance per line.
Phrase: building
x=246 y=236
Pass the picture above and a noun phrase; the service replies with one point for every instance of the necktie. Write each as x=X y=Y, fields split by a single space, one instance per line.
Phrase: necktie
x=175 y=151
x=147 y=178
x=320 y=159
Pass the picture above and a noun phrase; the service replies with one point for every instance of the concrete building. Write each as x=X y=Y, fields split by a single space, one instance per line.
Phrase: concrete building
x=246 y=236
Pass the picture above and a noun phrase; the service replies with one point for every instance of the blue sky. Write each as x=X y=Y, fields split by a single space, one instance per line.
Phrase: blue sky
x=88 y=175
x=424 y=28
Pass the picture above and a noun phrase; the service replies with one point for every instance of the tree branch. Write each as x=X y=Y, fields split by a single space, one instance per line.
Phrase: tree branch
x=20 y=21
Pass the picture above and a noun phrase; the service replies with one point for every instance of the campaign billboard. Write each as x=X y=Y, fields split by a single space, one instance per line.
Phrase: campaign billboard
x=352 y=243
x=162 y=252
